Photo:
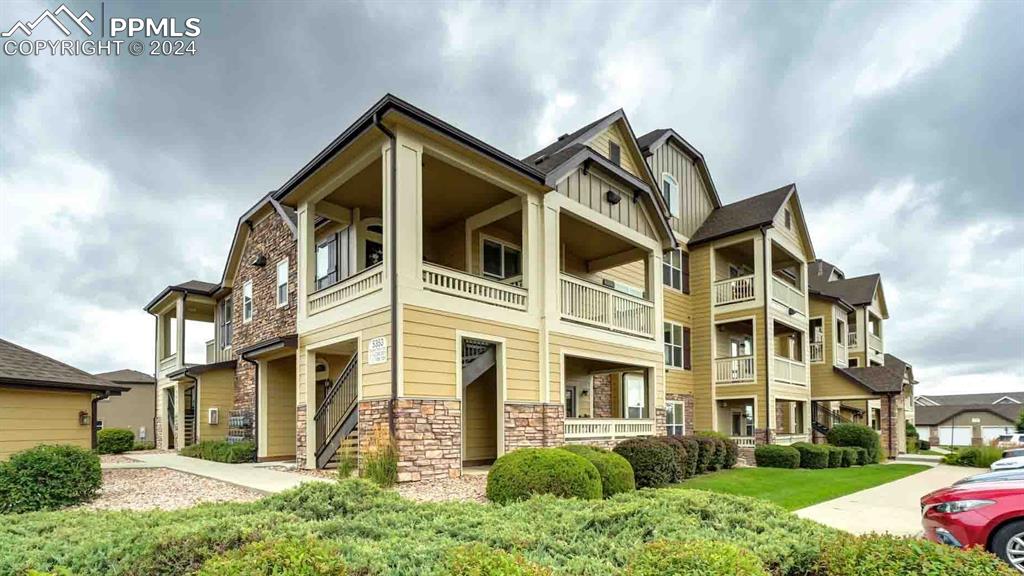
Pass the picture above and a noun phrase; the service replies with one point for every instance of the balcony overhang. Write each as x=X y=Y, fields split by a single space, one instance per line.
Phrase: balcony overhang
x=269 y=347
x=192 y=372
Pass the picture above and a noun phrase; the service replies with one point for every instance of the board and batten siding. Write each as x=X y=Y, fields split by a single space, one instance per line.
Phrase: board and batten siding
x=32 y=417
x=430 y=353
x=216 y=390
x=695 y=203
x=591 y=189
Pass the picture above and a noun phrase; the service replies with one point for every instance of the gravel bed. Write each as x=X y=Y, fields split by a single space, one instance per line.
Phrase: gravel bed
x=116 y=459
x=326 y=474
x=469 y=488
x=160 y=488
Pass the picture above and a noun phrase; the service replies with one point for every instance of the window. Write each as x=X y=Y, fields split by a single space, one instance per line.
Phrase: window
x=636 y=395
x=817 y=330
x=282 y=283
x=670 y=190
x=570 y=402
x=789 y=218
x=225 y=322
x=327 y=262
x=247 y=301
x=614 y=153
x=500 y=260
x=676 y=270
x=673 y=345
x=854 y=362
x=675 y=418
x=840 y=330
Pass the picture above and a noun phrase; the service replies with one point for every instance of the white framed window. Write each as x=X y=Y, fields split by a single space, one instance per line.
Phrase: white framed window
x=614 y=152
x=672 y=269
x=226 y=313
x=247 y=301
x=670 y=190
x=673 y=345
x=789 y=219
x=675 y=418
x=282 y=283
x=636 y=394
x=500 y=260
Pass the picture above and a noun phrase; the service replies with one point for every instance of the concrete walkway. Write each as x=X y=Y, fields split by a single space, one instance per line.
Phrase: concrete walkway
x=254 y=476
x=894 y=507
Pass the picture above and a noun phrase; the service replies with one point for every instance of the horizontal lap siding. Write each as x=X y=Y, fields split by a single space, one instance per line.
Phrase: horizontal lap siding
x=677 y=310
x=32 y=417
x=700 y=290
x=825 y=382
x=216 y=390
x=376 y=378
x=431 y=352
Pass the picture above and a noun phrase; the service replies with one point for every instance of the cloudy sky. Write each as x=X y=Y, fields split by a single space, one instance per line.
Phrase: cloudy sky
x=901 y=124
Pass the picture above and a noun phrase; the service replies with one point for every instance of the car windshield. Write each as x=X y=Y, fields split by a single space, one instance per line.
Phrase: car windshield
x=1005 y=438
x=998 y=476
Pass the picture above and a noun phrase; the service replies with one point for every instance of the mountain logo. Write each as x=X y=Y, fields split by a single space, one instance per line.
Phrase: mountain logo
x=27 y=28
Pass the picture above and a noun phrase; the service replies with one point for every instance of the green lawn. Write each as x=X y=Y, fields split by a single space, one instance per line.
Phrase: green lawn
x=795 y=489
x=931 y=453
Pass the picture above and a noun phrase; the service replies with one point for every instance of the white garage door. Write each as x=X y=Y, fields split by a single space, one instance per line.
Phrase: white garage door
x=989 y=433
x=955 y=435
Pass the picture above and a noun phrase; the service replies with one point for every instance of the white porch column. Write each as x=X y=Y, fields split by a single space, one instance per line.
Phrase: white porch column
x=180 y=336
x=306 y=248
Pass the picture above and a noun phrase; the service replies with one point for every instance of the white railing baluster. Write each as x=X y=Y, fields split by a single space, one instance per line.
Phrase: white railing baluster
x=732 y=290
x=734 y=369
x=603 y=307
x=508 y=294
x=362 y=283
x=613 y=428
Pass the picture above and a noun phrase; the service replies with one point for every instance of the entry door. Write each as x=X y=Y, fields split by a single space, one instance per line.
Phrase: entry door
x=635 y=388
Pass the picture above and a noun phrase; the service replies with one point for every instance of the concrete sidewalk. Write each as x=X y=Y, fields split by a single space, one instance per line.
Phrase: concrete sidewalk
x=254 y=476
x=894 y=507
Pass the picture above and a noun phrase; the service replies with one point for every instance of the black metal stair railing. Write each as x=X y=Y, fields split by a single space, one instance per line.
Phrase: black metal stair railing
x=339 y=401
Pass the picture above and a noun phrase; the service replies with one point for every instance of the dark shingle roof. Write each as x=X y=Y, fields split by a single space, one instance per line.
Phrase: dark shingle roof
x=974 y=399
x=548 y=163
x=886 y=379
x=932 y=415
x=747 y=214
x=818 y=273
x=645 y=141
x=23 y=367
x=854 y=291
x=191 y=287
x=564 y=141
x=126 y=376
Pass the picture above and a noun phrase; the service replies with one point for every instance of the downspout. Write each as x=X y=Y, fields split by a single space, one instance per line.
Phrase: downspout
x=256 y=403
x=767 y=297
x=92 y=417
x=393 y=256
x=156 y=374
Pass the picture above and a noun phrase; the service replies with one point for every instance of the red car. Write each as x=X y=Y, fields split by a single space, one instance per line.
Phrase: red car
x=986 y=514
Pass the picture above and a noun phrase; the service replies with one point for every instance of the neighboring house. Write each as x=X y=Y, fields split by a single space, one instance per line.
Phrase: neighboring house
x=414 y=280
x=44 y=401
x=967 y=419
x=134 y=409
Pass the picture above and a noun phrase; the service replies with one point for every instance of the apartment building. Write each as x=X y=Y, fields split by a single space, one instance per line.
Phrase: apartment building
x=414 y=280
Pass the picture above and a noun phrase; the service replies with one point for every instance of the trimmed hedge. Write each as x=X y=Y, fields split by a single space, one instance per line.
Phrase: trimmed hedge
x=732 y=449
x=835 y=456
x=681 y=457
x=705 y=453
x=696 y=557
x=863 y=459
x=849 y=456
x=775 y=456
x=812 y=456
x=221 y=451
x=975 y=456
x=692 y=454
x=857 y=435
x=48 y=477
x=653 y=461
x=114 y=440
x=482 y=560
x=616 y=473
x=888 y=555
x=527 y=471
x=718 y=456
x=924 y=445
x=309 y=557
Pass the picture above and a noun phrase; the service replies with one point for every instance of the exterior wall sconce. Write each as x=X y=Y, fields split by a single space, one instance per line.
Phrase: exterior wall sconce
x=259 y=261
x=612 y=197
x=83 y=418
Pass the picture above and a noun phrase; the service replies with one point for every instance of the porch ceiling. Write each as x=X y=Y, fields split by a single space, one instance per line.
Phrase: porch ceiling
x=589 y=242
x=451 y=195
x=365 y=191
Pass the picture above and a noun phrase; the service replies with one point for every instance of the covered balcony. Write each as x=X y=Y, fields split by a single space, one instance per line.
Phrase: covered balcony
x=788 y=281
x=736 y=418
x=791 y=422
x=734 y=274
x=607 y=400
x=874 y=325
x=473 y=240
x=788 y=362
x=606 y=282
x=734 y=352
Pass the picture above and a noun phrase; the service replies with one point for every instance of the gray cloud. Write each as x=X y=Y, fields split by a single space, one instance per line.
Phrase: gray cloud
x=141 y=165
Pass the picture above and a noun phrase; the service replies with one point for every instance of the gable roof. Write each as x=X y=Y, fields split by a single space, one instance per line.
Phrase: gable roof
x=887 y=379
x=933 y=415
x=22 y=367
x=197 y=287
x=973 y=399
x=569 y=139
x=656 y=138
x=242 y=229
x=747 y=214
x=126 y=376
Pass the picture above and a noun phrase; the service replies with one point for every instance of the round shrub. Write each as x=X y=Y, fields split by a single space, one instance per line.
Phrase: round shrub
x=528 y=471
x=775 y=456
x=704 y=557
x=849 y=456
x=732 y=449
x=718 y=456
x=653 y=462
x=705 y=452
x=114 y=440
x=682 y=459
x=309 y=557
x=883 y=555
x=862 y=456
x=48 y=477
x=692 y=454
x=481 y=560
x=835 y=456
x=857 y=435
x=616 y=473
x=813 y=456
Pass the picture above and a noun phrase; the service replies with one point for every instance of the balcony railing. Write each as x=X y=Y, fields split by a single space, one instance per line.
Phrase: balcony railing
x=787 y=295
x=457 y=283
x=851 y=339
x=579 y=428
x=744 y=441
x=787 y=439
x=739 y=289
x=842 y=355
x=874 y=342
x=790 y=371
x=168 y=364
x=349 y=289
x=734 y=369
x=817 y=351
x=603 y=307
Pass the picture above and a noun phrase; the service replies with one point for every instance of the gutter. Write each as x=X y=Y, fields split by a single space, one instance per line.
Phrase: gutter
x=156 y=374
x=393 y=256
x=92 y=417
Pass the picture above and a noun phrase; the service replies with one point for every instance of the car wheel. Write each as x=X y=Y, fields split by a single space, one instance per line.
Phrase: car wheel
x=1008 y=544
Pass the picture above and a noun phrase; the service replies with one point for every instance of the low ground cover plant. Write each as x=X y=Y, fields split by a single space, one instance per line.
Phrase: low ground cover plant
x=293 y=557
x=975 y=456
x=890 y=555
x=48 y=478
x=857 y=435
x=114 y=440
x=615 y=471
x=775 y=456
x=221 y=451
x=529 y=471
x=377 y=533
x=143 y=445
x=662 y=558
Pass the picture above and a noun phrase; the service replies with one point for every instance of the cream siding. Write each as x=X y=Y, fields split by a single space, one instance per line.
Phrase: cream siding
x=280 y=402
x=32 y=417
x=629 y=158
x=694 y=201
x=591 y=189
x=216 y=390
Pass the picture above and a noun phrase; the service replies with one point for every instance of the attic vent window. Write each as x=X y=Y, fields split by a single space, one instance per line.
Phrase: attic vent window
x=614 y=153
x=789 y=219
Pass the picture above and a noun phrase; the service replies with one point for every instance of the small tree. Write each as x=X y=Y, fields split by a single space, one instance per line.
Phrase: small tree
x=1020 y=421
